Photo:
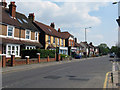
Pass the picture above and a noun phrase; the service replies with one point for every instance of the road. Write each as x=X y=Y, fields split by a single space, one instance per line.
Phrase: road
x=89 y=73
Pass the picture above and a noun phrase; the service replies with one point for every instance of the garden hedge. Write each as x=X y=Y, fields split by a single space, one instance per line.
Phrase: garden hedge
x=33 y=53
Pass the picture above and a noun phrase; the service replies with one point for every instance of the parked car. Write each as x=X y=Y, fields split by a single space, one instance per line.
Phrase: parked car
x=112 y=55
x=77 y=56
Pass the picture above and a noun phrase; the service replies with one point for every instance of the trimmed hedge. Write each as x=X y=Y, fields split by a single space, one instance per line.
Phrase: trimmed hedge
x=43 y=53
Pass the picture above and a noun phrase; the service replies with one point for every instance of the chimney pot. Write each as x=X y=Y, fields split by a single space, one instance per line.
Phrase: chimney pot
x=31 y=17
x=12 y=9
x=3 y=3
x=75 y=40
x=52 y=25
x=59 y=30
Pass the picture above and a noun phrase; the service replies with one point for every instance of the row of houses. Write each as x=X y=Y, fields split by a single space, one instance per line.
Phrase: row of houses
x=19 y=32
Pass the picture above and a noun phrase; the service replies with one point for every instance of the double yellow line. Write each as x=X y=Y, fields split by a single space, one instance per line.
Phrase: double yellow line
x=106 y=79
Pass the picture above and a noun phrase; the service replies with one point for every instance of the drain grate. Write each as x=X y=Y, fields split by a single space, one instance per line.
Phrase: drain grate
x=52 y=77
x=78 y=79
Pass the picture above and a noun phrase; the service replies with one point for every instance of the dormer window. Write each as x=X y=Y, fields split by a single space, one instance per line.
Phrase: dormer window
x=28 y=34
x=10 y=31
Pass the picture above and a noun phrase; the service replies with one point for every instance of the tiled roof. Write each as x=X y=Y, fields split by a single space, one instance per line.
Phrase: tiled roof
x=51 y=31
x=21 y=42
x=78 y=45
x=20 y=20
x=66 y=35
x=86 y=44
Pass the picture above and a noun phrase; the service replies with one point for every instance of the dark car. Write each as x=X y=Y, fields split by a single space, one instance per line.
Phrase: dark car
x=112 y=55
x=77 y=56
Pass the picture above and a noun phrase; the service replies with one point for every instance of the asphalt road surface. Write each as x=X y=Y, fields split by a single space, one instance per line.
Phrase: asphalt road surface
x=83 y=74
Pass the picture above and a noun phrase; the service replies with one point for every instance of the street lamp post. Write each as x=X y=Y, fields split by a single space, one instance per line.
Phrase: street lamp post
x=86 y=39
x=86 y=34
x=118 y=21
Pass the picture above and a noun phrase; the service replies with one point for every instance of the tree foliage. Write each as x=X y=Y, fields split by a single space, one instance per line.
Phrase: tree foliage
x=104 y=49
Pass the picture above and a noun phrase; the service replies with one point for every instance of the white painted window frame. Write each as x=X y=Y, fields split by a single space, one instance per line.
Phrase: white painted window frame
x=12 y=31
x=36 y=36
x=49 y=41
x=29 y=35
x=54 y=40
x=58 y=42
x=33 y=47
x=12 y=50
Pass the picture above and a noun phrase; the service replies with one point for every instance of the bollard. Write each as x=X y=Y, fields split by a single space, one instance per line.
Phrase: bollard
x=48 y=59
x=27 y=59
x=3 y=60
x=38 y=57
x=112 y=77
x=13 y=60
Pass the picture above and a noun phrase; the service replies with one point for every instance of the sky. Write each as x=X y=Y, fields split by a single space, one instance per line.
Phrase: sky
x=75 y=16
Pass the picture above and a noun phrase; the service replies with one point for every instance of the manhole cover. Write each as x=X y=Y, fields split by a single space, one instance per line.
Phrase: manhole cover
x=79 y=79
x=71 y=76
x=52 y=77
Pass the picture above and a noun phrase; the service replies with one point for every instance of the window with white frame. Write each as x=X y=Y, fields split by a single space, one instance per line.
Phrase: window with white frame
x=30 y=47
x=13 y=49
x=49 y=39
x=10 y=31
x=58 y=41
x=36 y=36
x=72 y=43
x=54 y=40
x=69 y=43
x=28 y=34
x=62 y=42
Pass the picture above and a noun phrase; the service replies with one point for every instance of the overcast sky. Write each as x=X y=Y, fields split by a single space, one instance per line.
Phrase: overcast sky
x=75 y=16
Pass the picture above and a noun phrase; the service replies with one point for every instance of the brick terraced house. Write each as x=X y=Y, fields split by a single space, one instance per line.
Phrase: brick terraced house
x=69 y=42
x=49 y=37
x=17 y=31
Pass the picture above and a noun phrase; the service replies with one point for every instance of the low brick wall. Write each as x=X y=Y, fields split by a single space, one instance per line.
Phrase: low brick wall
x=31 y=61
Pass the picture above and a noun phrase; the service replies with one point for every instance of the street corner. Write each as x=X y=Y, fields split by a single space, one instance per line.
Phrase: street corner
x=108 y=83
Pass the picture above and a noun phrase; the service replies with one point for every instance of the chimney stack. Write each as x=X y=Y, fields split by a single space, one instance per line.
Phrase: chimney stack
x=75 y=40
x=12 y=9
x=52 y=25
x=59 y=30
x=31 y=17
x=3 y=3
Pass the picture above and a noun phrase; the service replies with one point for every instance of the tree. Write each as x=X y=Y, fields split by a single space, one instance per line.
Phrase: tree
x=104 y=49
x=114 y=49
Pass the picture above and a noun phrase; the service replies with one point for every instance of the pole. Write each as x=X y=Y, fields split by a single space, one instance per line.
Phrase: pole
x=85 y=35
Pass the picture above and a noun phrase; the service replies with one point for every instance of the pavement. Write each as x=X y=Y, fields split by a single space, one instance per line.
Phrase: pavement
x=80 y=73
x=116 y=75
x=32 y=66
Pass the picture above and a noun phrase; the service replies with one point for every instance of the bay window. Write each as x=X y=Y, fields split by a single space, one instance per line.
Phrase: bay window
x=30 y=47
x=13 y=49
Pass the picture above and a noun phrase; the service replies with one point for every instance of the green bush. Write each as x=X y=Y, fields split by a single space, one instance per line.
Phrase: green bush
x=33 y=53
x=118 y=53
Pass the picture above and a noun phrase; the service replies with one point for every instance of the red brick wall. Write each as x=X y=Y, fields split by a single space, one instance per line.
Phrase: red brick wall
x=23 y=62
